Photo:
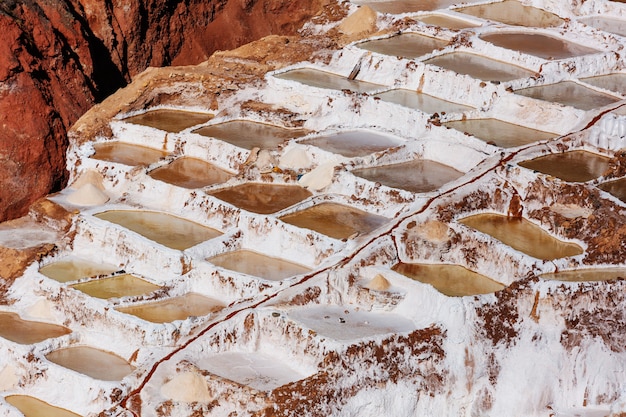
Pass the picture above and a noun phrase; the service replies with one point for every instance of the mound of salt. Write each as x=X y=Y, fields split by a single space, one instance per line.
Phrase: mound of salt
x=88 y=195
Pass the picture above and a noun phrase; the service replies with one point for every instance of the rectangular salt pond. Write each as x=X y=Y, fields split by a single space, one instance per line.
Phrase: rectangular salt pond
x=190 y=173
x=613 y=82
x=125 y=285
x=586 y=275
x=522 y=235
x=569 y=93
x=572 y=166
x=127 y=153
x=513 y=12
x=262 y=198
x=328 y=80
x=479 y=67
x=354 y=143
x=25 y=332
x=607 y=24
x=446 y=22
x=420 y=176
x=407 y=6
x=72 y=269
x=34 y=407
x=169 y=120
x=538 y=44
x=420 y=101
x=406 y=45
x=616 y=188
x=92 y=362
x=499 y=133
x=247 y=134
x=166 y=229
x=175 y=308
x=259 y=265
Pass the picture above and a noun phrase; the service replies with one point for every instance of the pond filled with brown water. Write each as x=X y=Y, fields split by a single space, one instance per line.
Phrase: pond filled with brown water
x=72 y=269
x=537 y=44
x=424 y=102
x=479 y=67
x=585 y=275
x=34 y=407
x=328 y=80
x=335 y=220
x=120 y=286
x=522 y=235
x=175 y=308
x=247 y=134
x=26 y=332
x=166 y=229
x=499 y=133
x=406 y=45
x=607 y=24
x=262 y=198
x=170 y=120
x=354 y=143
x=191 y=173
x=573 y=166
x=569 y=93
x=126 y=153
x=512 y=12
x=408 y=6
x=451 y=280
x=92 y=362
x=420 y=176
x=616 y=188
x=614 y=82
x=446 y=22
x=258 y=265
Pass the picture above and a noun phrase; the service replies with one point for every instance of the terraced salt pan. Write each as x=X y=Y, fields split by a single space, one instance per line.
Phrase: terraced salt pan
x=406 y=45
x=327 y=80
x=191 y=173
x=448 y=22
x=613 y=82
x=73 y=268
x=32 y=407
x=259 y=265
x=174 y=308
x=500 y=133
x=607 y=24
x=406 y=6
x=480 y=67
x=26 y=332
x=513 y=12
x=420 y=101
x=127 y=153
x=569 y=93
x=124 y=285
x=354 y=143
x=262 y=198
x=616 y=188
x=538 y=44
x=249 y=134
x=574 y=166
x=92 y=362
x=586 y=275
x=170 y=120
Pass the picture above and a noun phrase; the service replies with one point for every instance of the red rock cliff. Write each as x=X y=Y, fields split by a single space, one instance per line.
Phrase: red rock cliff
x=59 y=57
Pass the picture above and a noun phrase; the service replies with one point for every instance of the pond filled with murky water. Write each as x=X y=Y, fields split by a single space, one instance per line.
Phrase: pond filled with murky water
x=175 y=308
x=262 y=198
x=573 y=166
x=26 y=332
x=247 y=134
x=328 y=80
x=451 y=280
x=512 y=12
x=72 y=269
x=613 y=82
x=34 y=407
x=169 y=120
x=408 y=6
x=538 y=44
x=354 y=143
x=424 y=102
x=499 y=133
x=126 y=153
x=92 y=362
x=616 y=188
x=335 y=220
x=446 y=22
x=585 y=275
x=479 y=67
x=124 y=285
x=607 y=24
x=258 y=265
x=569 y=93
x=420 y=176
x=406 y=45
x=166 y=229
x=191 y=173
x=522 y=235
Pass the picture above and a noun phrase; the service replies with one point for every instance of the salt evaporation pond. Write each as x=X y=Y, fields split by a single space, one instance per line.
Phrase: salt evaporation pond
x=72 y=269
x=569 y=93
x=512 y=12
x=479 y=67
x=407 y=6
x=345 y=323
x=174 y=308
x=257 y=370
x=262 y=198
x=327 y=80
x=616 y=188
x=420 y=101
x=585 y=275
x=92 y=362
x=354 y=143
x=419 y=176
x=613 y=82
x=259 y=265
x=573 y=166
x=451 y=280
x=169 y=120
x=522 y=235
x=190 y=173
x=499 y=133
x=406 y=45
x=124 y=285
x=166 y=229
x=446 y=22
x=26 y=332
x=538 y=44
x=607 y=24
x=247 y=134
x=127 y=153
x=34 y=407
x=335 y=220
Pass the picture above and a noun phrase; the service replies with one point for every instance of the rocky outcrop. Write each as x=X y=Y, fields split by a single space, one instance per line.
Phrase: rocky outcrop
x=60 y=57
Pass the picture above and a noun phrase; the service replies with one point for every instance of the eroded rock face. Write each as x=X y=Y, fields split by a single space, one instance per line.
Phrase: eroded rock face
x=58 y=58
